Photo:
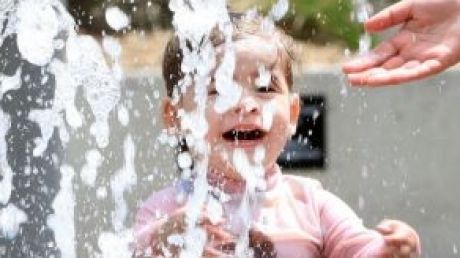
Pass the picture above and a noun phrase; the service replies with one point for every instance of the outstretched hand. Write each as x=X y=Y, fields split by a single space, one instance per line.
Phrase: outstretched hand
x=400 y=239
x=427 y=43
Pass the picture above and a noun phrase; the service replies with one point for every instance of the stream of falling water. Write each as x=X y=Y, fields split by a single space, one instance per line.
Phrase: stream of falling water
x=46 y=40
x=363 y=9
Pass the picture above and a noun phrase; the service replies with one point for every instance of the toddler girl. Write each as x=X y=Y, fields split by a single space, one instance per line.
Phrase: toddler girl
x=292 y=216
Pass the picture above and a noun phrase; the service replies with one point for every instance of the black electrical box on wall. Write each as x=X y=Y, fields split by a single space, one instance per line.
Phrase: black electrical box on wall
x=306 y=149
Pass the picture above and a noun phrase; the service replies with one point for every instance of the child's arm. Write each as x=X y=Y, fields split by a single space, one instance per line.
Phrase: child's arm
x=345 y=236
x=400 y=239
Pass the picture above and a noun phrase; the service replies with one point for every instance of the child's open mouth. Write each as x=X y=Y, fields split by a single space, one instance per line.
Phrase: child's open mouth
x=238 y=135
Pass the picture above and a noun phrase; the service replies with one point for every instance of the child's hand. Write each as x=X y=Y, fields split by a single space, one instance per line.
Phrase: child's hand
x=220 y=242
x=166 y=230
x=163 y=229
x=401 y=240
x=260 y=243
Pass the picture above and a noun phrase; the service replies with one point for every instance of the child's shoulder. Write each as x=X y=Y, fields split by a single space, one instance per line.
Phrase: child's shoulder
x=304 y=189
x=302 y=182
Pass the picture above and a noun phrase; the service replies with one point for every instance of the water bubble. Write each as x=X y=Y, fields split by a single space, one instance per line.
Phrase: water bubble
x=422 y=210
x=156 y=94
x=362 y=11
x=121 y=182
x=416 y=131
x=215 y=210
x=59 y=44
x=101 y=192
x=88 y=172
x=116 y=18
x=184 y=160
x=6 y=174
x=10 y=82
x=112 y=47
x=361 y=202
x=259 y=155
x=364 y=171
x=115 y=244
x=123 y=115
x=279 y=10
x=47 y=120
x=268 y=111
x=365 y=42
x=10 y=219
x=36 y=29
x=62 y=221
x=229 y=92
x=264 y=78
x=176 y=240
x=88 y=68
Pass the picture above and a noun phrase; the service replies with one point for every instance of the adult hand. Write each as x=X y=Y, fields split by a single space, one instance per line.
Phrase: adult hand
x=427 y=43
x=401 y=240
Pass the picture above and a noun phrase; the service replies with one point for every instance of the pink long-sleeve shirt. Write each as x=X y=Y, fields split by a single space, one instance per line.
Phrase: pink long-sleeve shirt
x=301 y=218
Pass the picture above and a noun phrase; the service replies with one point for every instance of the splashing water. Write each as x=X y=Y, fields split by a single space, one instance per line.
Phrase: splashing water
x=122 y=181
x=43 y=32
x=201 y=59
x=363 y=9
x=46 y=39
x=10 y=219
x=5 y=169
x=206 y=15
x=63 y=220
x=116 y=18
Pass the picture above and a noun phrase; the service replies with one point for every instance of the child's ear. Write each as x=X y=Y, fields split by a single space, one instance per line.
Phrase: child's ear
x=169 y=111
x=294 y=108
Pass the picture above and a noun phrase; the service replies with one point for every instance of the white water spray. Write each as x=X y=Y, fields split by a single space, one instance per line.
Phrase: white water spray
x=44 y=28
x=363 y=9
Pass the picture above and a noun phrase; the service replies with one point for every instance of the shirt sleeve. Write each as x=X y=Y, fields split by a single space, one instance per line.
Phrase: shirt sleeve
x=343 y=232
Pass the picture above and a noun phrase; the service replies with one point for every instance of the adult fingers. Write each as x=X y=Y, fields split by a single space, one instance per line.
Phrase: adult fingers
x=376 y=57
x=407 y=73
x=403 y=42
x=395 y=14
x=393 y=63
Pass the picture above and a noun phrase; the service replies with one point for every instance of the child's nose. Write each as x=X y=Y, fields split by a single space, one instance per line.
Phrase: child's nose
x=247 y=105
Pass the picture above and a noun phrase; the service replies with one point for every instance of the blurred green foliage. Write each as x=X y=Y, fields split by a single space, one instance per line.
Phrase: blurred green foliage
x=322 y=21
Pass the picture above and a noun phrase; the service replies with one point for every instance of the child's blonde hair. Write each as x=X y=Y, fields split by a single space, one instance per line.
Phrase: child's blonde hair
x=243 y=27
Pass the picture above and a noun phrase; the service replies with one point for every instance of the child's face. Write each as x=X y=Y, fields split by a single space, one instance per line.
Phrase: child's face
x=265 y=115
